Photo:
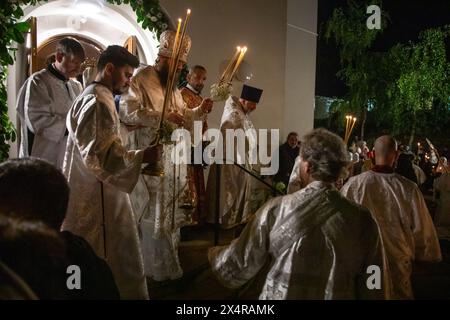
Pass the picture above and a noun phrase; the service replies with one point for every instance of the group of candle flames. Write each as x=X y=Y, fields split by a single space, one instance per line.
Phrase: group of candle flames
x=349 y=125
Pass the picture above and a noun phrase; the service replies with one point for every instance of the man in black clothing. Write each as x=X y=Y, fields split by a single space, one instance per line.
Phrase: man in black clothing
x=287 y=153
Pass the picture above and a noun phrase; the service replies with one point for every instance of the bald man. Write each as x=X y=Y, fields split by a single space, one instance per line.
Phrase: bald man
x=396 y=203
x=192 y=97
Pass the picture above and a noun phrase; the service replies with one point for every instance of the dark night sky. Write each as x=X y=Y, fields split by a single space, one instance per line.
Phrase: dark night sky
x=407 y=19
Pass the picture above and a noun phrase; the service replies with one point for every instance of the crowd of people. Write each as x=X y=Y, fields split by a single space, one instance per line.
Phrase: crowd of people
x=81 y=194
x=427 y=170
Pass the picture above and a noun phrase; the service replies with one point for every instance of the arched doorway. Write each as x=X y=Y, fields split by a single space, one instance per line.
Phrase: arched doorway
x=99 y=21
x=96 y=24
x=46 y=51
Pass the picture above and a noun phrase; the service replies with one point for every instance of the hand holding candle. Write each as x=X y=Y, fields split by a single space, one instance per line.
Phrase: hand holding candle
x=157 y=168
x=221 y=91
x=173 y=65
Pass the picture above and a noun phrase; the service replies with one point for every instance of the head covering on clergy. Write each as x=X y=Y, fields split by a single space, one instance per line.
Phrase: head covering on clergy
x=251 y=94
x=166 y=41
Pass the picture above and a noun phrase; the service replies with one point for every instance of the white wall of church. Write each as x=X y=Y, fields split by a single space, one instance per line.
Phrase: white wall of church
x=281 y=40
x=300 y=71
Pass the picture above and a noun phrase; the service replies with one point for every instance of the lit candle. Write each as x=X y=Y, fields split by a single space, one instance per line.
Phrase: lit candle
x=173 y=72
x=232 y=61
x=351 y=129
x=346 y=124
x=180 y=45
x=175 y=46
x=188 y=14
x=347 y=117
x=236 y=66
x=171 y=78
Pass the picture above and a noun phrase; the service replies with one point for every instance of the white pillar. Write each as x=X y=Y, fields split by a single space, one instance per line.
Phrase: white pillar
x=300 y=69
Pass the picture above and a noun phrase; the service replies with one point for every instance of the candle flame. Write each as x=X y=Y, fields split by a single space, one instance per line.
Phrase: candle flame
x=238 y=62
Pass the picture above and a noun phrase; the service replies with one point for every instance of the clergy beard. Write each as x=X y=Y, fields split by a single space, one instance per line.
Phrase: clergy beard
x=119 y=91
x=164 y=75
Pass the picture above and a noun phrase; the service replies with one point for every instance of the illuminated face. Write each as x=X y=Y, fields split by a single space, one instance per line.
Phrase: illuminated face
x=197 y=79
x=121 y=79
x=292 y=140
x=162 y=67
x=249 y=106
x=69 y=65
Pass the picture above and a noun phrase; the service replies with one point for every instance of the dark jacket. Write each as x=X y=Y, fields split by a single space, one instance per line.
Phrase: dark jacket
x=287 y=157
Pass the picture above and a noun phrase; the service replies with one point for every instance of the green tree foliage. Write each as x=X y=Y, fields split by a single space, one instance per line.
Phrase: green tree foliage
x=347 y=27
x=11 y=32
x=149 y=14
x=408 y=86
x=422 y=84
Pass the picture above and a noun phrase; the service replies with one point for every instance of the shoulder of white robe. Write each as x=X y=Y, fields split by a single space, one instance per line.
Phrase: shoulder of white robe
x=103 y=94
x=40 y=78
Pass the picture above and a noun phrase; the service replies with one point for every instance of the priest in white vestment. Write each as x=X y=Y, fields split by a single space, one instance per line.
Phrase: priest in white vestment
x=420 y=174
x=156 y=199
x=398 y=206
x=312 y=244
x=442 y=197
x=44 y=101
x=101 y=172
x=237 y=202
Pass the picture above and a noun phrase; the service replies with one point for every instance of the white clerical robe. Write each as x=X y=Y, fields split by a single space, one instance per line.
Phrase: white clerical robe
x=155 y=199
x=42 y=105
x=239 y=197
x=313 y=244
x=442 y=217
x=101 y=172
x=407 y=230
x=420 y=174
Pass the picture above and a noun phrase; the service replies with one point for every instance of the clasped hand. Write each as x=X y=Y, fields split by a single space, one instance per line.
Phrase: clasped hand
x=206 y=105
x=176 y=118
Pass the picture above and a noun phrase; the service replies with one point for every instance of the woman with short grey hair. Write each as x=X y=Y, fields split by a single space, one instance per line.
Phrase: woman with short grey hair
x=326 y=154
